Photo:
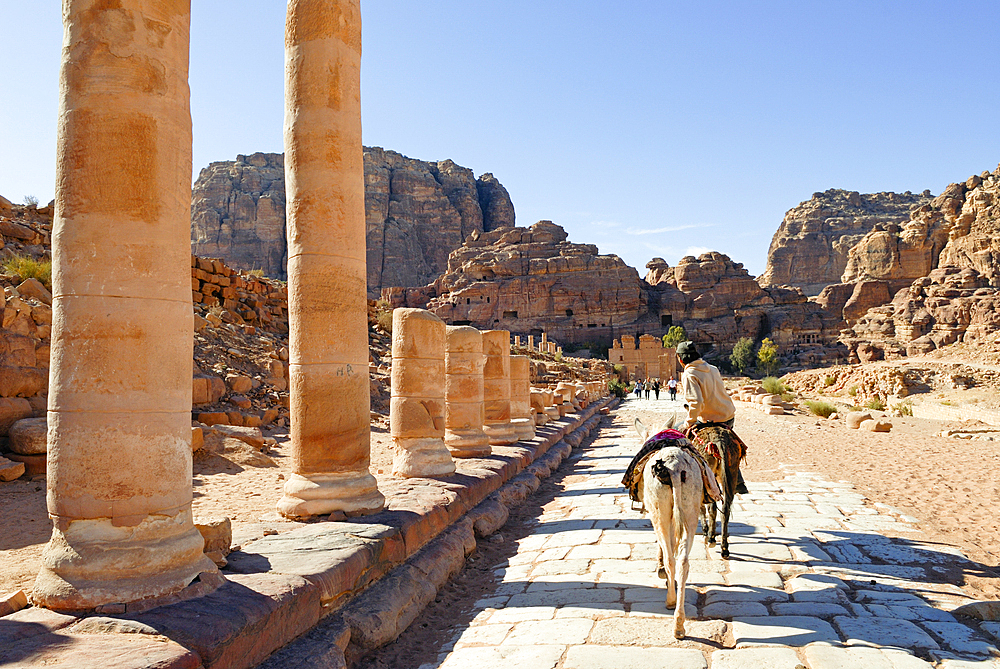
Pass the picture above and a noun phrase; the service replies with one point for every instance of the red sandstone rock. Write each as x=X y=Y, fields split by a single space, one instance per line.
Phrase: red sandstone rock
x=27 y=436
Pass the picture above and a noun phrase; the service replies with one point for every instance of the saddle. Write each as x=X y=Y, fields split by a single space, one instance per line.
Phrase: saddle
x=693 y=433
x=632 y=480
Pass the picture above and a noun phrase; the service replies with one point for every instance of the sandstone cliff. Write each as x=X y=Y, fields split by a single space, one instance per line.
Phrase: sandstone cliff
x=717 y=301
x=416 y=213
x=534 y=280
x=810 y=248
x=951 y=304
x=529 y=280
x=959 y=229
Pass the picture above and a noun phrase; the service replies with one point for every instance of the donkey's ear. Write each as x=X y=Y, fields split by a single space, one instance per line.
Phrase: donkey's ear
x=641 y=430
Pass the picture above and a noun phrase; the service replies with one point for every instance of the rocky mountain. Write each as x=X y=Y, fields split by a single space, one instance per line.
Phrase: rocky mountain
x=416 y=213
x=530 y=280
x=811 y=246
x=951 y=304
x=947 y=258
x=718 y=301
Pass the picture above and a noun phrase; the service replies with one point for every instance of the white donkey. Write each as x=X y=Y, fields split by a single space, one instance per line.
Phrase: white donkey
x=672 y=493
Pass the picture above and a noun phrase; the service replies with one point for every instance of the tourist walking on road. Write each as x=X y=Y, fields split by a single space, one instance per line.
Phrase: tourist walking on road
x=672 y=386
x=656 y=388
x=705 y=394
x=649 y=386
x=638 y=389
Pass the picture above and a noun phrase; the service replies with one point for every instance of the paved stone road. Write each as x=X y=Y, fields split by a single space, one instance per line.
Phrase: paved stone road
x=819 y=579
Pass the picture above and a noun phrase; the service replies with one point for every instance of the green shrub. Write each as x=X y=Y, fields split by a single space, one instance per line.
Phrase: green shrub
x=617 y=388
x=257 y=272
x=767 y=357
x=829 y=381
x=742 y=356
x=675 y=335
x=27 y=267
x=875 y=403
x=774 y=385
x=822 y=409
x=853 y=391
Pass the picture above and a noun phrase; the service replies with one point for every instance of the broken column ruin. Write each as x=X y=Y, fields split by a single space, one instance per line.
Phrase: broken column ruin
x=119 y=419
x=416 y=410
x=520 y=397
x=327 y=301
x=464 y=412
x=496 y=388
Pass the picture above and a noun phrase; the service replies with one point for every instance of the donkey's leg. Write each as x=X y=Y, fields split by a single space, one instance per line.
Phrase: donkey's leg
x=670 y=550
x=660 y=571
x=691 y=526
x=727 y=507
x=710 y=524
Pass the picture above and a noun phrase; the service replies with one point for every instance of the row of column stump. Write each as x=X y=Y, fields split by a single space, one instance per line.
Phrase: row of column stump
x=457 y=391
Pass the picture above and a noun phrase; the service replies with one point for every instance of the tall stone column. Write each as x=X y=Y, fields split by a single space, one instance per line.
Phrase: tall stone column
x=416 y=410
x=119 y=419
x=463 y=391
x=327 y=293
x=520 y=397
x=496 y=388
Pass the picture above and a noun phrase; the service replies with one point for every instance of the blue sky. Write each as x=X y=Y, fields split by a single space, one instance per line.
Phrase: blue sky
x=647 y=128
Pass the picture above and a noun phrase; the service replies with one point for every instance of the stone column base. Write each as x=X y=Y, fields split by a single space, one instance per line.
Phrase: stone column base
x=354 y=492
x=90 y=563
x=421 y=456
x=524 y=428
x=467 y=443
x=553 y=412
x=500 y=434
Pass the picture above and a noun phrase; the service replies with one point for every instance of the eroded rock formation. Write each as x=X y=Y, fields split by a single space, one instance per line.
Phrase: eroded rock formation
x=810 y=248
x=530 y=280
x=416 y=213
x=527 y=280
x=951 y=304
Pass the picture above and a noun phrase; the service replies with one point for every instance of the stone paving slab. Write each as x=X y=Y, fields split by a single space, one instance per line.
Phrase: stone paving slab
x=756 y=658
x=782 y=631
x=618 y=657
x=814 y=583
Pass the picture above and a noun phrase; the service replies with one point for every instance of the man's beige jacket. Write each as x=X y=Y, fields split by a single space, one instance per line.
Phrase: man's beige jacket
x=705 y=394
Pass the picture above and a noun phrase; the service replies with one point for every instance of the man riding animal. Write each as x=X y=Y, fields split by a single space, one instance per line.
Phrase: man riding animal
x=711 y=415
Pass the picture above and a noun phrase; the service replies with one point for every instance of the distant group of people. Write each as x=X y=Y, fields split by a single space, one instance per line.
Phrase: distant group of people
x=654 y=385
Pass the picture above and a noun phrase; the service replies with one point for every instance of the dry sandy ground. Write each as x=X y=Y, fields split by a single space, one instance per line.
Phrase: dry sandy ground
x=952 y=486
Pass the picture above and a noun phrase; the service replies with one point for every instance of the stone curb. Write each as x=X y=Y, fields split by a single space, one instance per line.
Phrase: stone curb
x=381 y=613
x=278 y=588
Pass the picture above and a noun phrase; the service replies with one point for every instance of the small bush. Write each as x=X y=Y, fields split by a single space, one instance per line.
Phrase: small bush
x=31 y=200
x=257 y=272
x=27 y=267
x=829 y=381
x=774 y=385
x=875 y=403
x=853 y=391
x=617 y=388
x=787 y=397
x=822 y=409
x=559 y=356
x=904 y=408
x=383 y=316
